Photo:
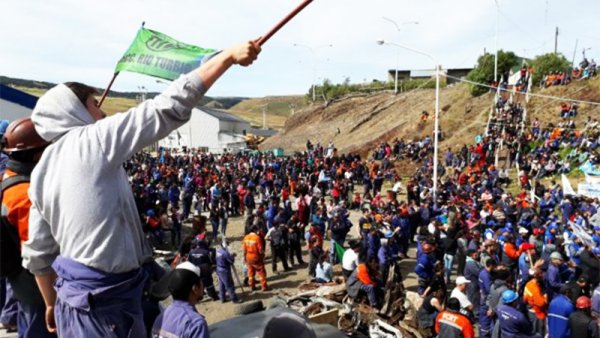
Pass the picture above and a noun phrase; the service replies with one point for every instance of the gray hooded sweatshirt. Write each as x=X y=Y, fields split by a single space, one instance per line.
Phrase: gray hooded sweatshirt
x=82 y=204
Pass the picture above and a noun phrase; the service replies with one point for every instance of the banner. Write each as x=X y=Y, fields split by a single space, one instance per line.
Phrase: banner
x=592 y=179
x=589 y=190
x=156 y=54
x=589 y=169
x=566 y=186
x=580 y=232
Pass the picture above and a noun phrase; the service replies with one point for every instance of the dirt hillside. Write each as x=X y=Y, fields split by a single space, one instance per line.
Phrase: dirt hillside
x=368 y=119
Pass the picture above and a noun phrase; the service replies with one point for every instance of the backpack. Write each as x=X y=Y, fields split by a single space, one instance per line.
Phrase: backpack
x=10 y=243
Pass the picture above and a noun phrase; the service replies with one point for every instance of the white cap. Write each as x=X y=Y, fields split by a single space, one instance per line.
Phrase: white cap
x=523 y=230
x=190 y=267
x=462 y=280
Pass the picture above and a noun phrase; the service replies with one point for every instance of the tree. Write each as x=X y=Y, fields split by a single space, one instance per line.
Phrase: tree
x=484 y=71
x=546 y=63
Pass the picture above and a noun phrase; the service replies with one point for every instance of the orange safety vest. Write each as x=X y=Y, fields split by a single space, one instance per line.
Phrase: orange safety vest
x=252 y=245
x=534 y=297
x=16 y=204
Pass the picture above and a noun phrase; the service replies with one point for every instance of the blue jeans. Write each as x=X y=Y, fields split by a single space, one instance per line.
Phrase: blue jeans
x=215 y=228
x=448 y=262
x=371 y=293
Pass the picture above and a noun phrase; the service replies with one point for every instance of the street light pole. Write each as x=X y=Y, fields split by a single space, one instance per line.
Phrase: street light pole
x=437 y=110
x=314 y=59
x=398 y=56
x=496 y=56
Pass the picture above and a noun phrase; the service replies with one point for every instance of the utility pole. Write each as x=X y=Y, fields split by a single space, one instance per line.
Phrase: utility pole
x=574 y=52
x=556 y=40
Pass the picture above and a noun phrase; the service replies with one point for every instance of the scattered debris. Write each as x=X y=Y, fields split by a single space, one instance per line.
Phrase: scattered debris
x=330 y=304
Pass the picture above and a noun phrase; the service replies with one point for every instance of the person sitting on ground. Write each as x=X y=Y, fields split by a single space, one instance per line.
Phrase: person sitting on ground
x=324 y=271
x=365 y=278
x=181 y=319
x=316 y=252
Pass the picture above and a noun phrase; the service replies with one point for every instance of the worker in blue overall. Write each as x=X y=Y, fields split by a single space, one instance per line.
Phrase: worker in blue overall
x=225 y=260
x=181 y=319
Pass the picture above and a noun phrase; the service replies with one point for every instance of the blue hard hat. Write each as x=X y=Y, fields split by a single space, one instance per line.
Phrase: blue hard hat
x=389 y=234
x=508 y=225
x=597 y=228
x=509 y=296
x=3 y=126
x=553 y=226
x=150 y=212
x=596 y=250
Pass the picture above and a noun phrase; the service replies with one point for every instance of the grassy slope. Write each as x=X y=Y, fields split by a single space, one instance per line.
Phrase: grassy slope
x=278 y=109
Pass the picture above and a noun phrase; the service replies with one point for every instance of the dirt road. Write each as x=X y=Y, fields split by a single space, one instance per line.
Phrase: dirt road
x=283 y=284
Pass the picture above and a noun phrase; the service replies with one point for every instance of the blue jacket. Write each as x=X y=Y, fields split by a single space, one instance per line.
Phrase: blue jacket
x=556 y=277
x=180 y=320
x=425 y=266
x=558 y=317
x=224 y=260
x=513 y=323
x=485 y=285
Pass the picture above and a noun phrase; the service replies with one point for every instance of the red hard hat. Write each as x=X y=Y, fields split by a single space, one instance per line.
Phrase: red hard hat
x=527 y=246
x=583 y=302
x=20 y=136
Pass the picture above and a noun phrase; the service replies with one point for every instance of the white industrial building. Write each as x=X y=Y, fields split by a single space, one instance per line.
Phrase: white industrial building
x=210 y=130
x=15 y=104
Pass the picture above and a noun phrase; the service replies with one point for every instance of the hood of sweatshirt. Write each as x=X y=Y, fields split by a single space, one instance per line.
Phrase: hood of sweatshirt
x=57 y=112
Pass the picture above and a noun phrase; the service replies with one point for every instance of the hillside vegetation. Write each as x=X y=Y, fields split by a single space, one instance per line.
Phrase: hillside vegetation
x=366 y=120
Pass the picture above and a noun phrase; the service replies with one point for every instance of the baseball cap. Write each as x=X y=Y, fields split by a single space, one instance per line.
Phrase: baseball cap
x=287 y=324
x=596 y=250
x=523 y=230
x=462 y=280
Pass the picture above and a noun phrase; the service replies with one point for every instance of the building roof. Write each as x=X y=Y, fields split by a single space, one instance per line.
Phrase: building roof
x=262 y=132
x=17 y=97
x=222 y=115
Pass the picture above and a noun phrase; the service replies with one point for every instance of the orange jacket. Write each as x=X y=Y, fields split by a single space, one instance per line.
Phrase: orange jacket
x=534 y=297
x=511 y=251
x=252 y=245
x=16 y=203
x=363 y=274
x=452 y=324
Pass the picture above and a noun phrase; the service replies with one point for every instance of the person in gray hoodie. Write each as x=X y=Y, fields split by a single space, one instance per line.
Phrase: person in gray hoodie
x=86 y=246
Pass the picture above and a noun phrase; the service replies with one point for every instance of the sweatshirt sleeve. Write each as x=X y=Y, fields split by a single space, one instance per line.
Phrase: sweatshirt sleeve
x=122 y=135
x=40 y=250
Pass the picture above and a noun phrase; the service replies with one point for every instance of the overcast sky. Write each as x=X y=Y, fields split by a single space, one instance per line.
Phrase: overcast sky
x=70 y=40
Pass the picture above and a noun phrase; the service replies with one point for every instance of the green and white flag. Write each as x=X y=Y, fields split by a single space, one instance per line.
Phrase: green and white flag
x=156 y=54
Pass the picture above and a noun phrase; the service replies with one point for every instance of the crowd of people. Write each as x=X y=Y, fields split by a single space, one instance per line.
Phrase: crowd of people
x=519 y=265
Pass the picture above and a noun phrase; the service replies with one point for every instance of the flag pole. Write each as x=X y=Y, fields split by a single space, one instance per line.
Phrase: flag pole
x=284 y=21
x=107 y=89
x=112 y=80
